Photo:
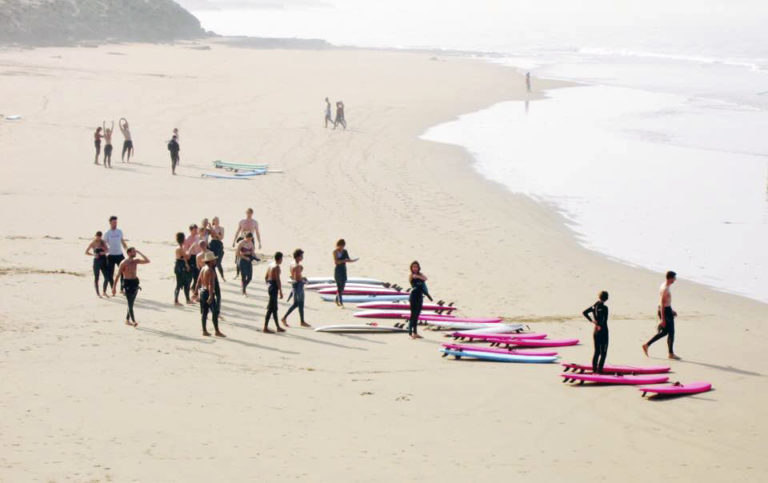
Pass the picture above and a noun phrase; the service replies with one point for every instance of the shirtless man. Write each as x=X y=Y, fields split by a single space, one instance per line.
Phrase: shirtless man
x=108 y=145
x=297 y=281
x=128 y=269
x=247 y=225
x=128 y=143
x=208 y=299
x=667 y=316
x=272 y=277
x=191 y=247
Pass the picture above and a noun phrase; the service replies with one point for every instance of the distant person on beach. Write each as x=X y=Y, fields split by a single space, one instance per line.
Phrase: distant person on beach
x=181 y=270
x=129 y=270
x=174 y=148
x=108 y=144
x=274 y=287
x=98 y=250
x=666 y=316
x=128 y=142
x=209 y=302
x=600 y=335
x=246 y=258
x=340 y=116
x=297 y=287
x=216 y=245
x=418 y=283
x=97 y=144
x=115 y=245
x=340 y=260
x=528 y=81
x=328 y=117
x=178 y=140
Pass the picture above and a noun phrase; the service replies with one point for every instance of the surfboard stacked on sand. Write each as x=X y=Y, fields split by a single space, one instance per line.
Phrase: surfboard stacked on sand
x=239 y=171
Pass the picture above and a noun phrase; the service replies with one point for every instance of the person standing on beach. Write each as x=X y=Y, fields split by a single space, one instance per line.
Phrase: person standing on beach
x=600 y=313
x=209 y=302
x=667 y=317
x=97 y=144
x=174 y=148
x=274 y=287
x=181 y=270
x=418 y=283
x=108 y=144
x=216 y=244
x=192 y=248
x=340 y=116
x=246 y=225
x=528 y=81
x=245 y=256
x=98 y=250
x=178 y=140
x=115 y=245
x=328 y=112
x=340 y=260
x=128 y=142
x=297 y=290
x=129 y=270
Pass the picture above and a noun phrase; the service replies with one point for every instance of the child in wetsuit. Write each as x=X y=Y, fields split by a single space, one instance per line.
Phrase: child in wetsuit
x=600 y=313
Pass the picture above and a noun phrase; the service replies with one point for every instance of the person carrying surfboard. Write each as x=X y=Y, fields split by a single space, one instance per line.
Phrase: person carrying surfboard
x=600 y=312
x=666 y=316
x=418 y=283
x=340 y=260
x=274 y=287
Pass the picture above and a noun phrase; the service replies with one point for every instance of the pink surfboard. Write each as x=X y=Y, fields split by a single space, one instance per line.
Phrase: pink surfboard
x=608 y=379
x=611 y=369
x=498 y=350
x=403 y=306
x=678 y=389
x=471 y=336
x=511 y=340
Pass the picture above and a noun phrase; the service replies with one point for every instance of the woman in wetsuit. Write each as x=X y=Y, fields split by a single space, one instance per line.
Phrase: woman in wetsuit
x=216 y=245
x=600 y=313
x=340 y=260
x=181 y=270
x=97 y=144
x=418 y=283
x=108 y=144
x=98 y=250
x=245 y=254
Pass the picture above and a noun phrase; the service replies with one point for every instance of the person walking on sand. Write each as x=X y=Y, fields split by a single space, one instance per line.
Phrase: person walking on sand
x=129 y=270
x=178 y=140
x=216 y=244
x=108 y=144
x=418 y=283
x=328 y=117
x=174 y=148
x=274 y=287
x=115 y=245
x=128 y=142
x=97 y=143
x=528 y=81
x=98 y=250
x=246 y=257
x=666 y=316
x=181 y=270
x=246 y=225
x=340 y=116
x=600 y=335
x=208 y=300
x=340 y=260
x=297 y=287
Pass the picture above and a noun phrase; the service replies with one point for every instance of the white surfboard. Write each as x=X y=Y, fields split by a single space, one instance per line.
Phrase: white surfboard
x=358 y=328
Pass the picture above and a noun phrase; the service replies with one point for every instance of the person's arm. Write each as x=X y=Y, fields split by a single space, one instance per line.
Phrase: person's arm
x=88 y=250
x=419 y=276
x=210 y=287
x=589 y=310
x=122 y=242
x=117 y=277
x=143 y=260
x=279 y=283
x=258 y=235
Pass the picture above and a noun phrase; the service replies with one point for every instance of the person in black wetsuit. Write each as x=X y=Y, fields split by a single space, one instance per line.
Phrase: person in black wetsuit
x=600 y=313
x=209 y=300
x=416 y=298
x=181 y=270
x=666 y=316
x=216 y=244
x=340 y=260
x=98 y=250
x=174 y=148
x=129 y=271
x=272 y=277
x=97 y=143
x=246 y=258
x=298 y=280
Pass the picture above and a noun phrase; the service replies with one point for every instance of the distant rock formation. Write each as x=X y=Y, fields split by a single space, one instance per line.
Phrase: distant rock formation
x=56 y=22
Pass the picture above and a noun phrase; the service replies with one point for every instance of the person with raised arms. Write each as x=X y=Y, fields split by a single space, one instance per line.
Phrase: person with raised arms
x=666 y=316
x=128 y=142
x=98 y=250
x=209 y=302
x=340 y=260
x=181 y=270
x=274 y=287
x=246 y=257
x=600 y=313
x=129 y=270
x=115 y=244
x=297 y=287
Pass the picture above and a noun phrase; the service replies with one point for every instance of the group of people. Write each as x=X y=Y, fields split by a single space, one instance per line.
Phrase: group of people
x=102 y=132
x=597 y=314
x=339 y=114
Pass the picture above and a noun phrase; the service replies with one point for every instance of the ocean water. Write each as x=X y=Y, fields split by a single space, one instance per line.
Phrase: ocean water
x=660 y=159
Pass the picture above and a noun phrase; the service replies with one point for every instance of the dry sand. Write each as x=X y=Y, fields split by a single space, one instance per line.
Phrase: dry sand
x=85 y=398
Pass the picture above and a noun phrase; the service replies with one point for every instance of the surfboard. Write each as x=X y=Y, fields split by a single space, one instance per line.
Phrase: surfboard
x=498 y=350
x=677 y=388
x=362 y=291
x=613 y=369
x=609 y=379
x=331 y=280
x=13 y=117
x=359 y=328
x=489 y=356
x=391 y=314
x=353 y=299
x=404 y=306
x=477 y=320
x=319 y=286
x=253 y=172
x=226 y=164
x=223 y=176
x=489 y=329
x=449 y=325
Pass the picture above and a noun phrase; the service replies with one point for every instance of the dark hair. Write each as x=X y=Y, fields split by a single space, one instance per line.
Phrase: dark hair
x=113 y=217
x=278 y=256
x=410 y=267
x=98 y=129
x=341 y=242
x=603 y=296
x=98 y=233
x=249 y=210
x=179 y=238
x=249 y=235
x=671 y=275
x=131 y=249
x=192 y=226
x=298 y=253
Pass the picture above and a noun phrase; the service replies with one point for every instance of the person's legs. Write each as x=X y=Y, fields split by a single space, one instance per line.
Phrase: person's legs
x=298 y=297
x=416 y=303
x=125 y=150
x=669 y=318
x=204 y=310
x=97 y=145
x=596 y=353
x=340 y=283
x=603 y=355
x=110 y=270
x=96 y=271
x=215 y=316
x=272 y=307
x=246 y=272
x=131 y=291
x=105 y=273
x=179 y=272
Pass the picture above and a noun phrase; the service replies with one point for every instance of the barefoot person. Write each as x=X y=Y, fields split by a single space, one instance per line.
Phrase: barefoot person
x=340 y=260
x=216 y=244
x=115 y=245
x=328 y=117
x=129 y=270
x=600 y=313
x=208 y=300
x=98 y=250
x=667 y=317
x=297 y=282
x=246 y=225
x=340 y=116
x=272 y=277
x=418 y=283
x=192 y=248
x=97 y=144
x=174 y=148
x=108 y=144
x=245 y=256
x=181 y=270
x=128 y=141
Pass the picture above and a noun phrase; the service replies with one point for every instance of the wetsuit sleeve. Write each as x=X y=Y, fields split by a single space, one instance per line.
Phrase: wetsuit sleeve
x=587 y=311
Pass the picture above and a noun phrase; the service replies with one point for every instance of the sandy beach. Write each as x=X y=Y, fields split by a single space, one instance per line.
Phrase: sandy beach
x=86 y=398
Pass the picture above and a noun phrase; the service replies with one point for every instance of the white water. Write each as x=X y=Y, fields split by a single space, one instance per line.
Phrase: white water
x=661 y=161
